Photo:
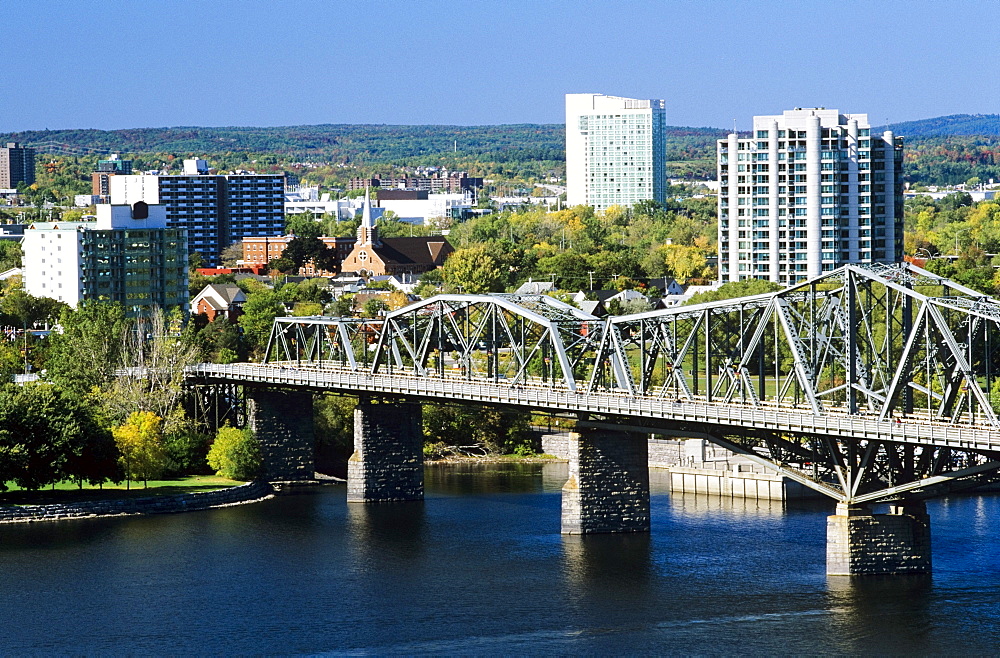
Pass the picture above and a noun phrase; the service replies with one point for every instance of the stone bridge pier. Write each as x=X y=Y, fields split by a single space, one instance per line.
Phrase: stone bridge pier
x=388 y=460
x=282 y=421
x=608 y=485
x=859 y=542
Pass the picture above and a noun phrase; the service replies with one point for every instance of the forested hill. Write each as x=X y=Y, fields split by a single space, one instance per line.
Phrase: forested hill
x=942 y=150
x=987 y=125
x=356 y=144
x=330 y=142
x=360 y=143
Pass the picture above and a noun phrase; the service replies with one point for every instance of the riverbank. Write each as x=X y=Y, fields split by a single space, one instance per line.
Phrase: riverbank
x=250 y=492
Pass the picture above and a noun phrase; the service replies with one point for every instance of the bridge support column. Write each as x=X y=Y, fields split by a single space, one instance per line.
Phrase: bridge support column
x=861 y=543
x=608 y=485
x=282 y=422
x=388 y=460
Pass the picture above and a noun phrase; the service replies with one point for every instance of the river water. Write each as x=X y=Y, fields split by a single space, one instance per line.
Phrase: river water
x=480 y=568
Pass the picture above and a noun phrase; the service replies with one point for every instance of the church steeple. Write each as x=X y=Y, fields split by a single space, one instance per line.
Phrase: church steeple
x=367 y=231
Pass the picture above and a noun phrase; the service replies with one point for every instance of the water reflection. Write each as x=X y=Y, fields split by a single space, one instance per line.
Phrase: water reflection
x=863 y=609
x=386 y=531
x=608 y=579
x=601 y=560
x=694 y=505
x=481 y=478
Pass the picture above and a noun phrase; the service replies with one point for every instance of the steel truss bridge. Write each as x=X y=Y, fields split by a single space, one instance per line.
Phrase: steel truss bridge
x=868 y=384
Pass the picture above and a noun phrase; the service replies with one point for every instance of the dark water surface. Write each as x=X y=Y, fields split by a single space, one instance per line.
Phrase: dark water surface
x=480 y=568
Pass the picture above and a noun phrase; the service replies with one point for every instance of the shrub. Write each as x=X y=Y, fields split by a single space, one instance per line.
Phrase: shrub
x=235 y=454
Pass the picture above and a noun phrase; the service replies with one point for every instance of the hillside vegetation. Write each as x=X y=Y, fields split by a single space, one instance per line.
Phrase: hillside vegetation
x=942 y=150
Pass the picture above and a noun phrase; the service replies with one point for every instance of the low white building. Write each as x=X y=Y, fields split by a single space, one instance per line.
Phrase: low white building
x=435 y=206
x=308 y=199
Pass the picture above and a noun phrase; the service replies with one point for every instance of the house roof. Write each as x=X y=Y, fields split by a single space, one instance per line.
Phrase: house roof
x=424 y=250
x=220 y=296
x=535 y=288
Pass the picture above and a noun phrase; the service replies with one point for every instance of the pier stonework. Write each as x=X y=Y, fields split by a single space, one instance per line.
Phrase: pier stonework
x=861 y=543
x=608 y=485
x=282 y=422
x=388 y=460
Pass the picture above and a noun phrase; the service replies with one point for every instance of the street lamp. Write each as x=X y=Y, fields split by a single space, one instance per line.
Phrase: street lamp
x=958 y=233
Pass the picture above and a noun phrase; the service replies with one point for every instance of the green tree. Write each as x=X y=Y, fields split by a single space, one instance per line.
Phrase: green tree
x=187 y=451
x=333 y=424
x=10 y=361
x=47 y=436
x=11 y=255
x=374 y=307
x=140 y=442
x=259 y=312
x=303 y=225
x=495 y=432
x=479 y=268
x=235 y=454
x=735 y=289
x=89 y=349
x=282 y=264
x=302 y=250
x=343 y=306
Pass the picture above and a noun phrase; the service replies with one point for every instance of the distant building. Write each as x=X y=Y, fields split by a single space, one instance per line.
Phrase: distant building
x=308 y=199
x=616 y=150
x=218 y=299
x=261 y=250
x=456 y=181
x=113 y=166
x=376 y=256
x=806 y=192
x=419 y=206
x=216 y=210
x=17 y=165
x=128 y=255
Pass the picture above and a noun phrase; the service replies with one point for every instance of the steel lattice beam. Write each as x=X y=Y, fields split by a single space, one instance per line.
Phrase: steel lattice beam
x=877 y=343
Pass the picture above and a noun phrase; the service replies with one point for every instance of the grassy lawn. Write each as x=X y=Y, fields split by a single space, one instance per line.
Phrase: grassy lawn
x=69 y=492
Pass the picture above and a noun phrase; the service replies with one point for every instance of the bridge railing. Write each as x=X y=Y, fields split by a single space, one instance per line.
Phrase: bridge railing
x=915 y=429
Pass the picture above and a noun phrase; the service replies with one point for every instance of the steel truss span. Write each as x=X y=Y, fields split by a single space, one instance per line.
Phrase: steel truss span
x=869 y=384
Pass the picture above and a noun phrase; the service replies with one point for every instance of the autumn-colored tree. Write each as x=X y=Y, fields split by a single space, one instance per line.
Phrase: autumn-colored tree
x=140 y=442
x=480 y=268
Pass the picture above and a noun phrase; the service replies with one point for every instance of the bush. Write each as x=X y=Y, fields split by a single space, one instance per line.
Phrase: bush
x=235 y=454
x=187 y=452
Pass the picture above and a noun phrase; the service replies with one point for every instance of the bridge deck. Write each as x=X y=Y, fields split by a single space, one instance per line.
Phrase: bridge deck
x=912 y=430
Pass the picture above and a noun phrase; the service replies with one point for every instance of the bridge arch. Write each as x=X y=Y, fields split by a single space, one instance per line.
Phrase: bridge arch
x=496 y=337
x=866 y=340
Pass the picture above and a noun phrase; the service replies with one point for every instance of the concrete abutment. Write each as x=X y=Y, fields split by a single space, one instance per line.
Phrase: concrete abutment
x=608 y=485
x=859 y=542
x=388 y=460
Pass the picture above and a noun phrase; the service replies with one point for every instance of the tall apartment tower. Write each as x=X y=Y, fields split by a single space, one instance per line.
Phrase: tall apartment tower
x=128 y=255
x=808 y=191
x=216 y=210
x=615 y=150
x=17 y=165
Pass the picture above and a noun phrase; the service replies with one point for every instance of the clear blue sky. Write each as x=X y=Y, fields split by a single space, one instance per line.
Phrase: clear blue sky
x=130 y=63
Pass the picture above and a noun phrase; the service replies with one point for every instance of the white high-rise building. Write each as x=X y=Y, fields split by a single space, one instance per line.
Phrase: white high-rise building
x=615 y=150
x=808 y=191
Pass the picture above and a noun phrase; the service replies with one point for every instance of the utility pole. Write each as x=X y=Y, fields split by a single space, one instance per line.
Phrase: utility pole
x=591 y=274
